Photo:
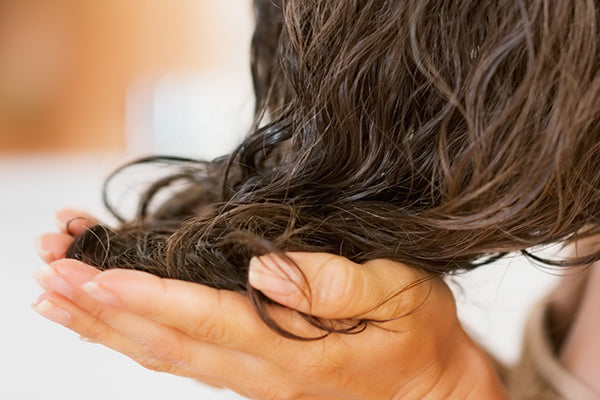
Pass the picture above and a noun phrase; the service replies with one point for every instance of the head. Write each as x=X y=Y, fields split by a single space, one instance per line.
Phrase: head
x=441 y=134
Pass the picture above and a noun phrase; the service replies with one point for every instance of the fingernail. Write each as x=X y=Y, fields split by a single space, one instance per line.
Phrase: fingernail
x=51 y=311
x=48 y=279
x=44 y=254
x=99 y=293
x=273 y=274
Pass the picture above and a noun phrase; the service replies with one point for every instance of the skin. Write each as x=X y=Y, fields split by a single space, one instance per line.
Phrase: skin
x=579 y=302
x=216 y=337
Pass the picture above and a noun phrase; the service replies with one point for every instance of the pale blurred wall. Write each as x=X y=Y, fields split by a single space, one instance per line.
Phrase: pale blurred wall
x=66 y=65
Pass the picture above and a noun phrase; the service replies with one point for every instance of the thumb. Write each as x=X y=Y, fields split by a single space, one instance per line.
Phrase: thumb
x=333 y=287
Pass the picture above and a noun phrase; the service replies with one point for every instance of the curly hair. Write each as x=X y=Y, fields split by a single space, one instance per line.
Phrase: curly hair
x=443 y=134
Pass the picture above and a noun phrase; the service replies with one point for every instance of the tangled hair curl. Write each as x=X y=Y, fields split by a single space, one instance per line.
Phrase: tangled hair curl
x=441 y=134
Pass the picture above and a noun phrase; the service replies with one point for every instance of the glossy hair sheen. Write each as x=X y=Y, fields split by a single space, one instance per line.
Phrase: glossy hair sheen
x=443 y=134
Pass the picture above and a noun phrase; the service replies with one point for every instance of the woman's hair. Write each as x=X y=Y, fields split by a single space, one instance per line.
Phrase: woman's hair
x=440 y=134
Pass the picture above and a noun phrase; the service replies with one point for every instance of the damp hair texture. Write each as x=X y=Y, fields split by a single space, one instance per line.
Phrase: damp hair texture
x=440 y=134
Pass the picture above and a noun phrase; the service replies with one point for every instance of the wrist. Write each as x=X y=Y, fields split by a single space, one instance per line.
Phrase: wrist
x=470 y=375
x=485 y=381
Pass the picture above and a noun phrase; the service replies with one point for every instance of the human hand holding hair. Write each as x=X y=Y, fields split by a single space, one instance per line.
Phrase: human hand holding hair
x=418 y=351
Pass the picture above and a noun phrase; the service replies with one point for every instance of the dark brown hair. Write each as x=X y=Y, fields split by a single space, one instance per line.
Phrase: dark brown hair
x=441 y=134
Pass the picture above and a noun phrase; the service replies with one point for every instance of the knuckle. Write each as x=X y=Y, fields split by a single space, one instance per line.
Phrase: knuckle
x=336 y=282
x=404 y=288
x=340 y=288
x=155 y=365
x=213 y=329
x=335 y=263
x=164 y=348
x=402 y=303
x=415 y=294
x=94 y=332
x=104 y=313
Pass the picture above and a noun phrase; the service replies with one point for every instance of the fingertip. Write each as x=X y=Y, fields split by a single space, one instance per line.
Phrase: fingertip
x=46 y=255
x=52 y=246
x=70 y=263
x=127 y=283
x=73 y=271
x=115 y=275
x=45 y=295
x=53 y=312
x=63 y=215
x=73 y=221
x=50 y=280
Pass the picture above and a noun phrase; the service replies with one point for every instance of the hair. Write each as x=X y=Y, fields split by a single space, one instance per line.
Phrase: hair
x=440 y=134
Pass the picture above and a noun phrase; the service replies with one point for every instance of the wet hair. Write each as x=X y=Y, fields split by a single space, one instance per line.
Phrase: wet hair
x=441 y=134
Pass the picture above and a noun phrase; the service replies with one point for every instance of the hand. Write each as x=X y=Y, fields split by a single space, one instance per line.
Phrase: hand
x=215 y=336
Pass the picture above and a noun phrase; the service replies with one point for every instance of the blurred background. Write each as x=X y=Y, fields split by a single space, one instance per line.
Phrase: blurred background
x=134 y=75
x=87 y=85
